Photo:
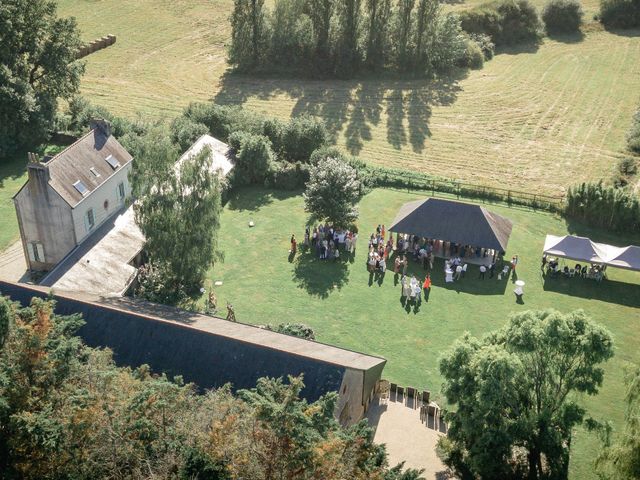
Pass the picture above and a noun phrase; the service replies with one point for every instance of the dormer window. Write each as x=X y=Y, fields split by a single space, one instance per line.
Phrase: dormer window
x=95 y=172
x=81 y=187
x=113 y=162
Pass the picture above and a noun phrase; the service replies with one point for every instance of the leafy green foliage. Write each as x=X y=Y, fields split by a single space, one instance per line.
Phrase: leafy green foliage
x=562 y=16
x=255 y=159
x=333 y=191
x=604 y=206
x=37 y=67
x=473 y=56
x=325 y=37
x=178 y=210
x=633 y=137
x=506 y=22
x=620 y=459
x=620 y=13
x=295 y=329
x=66 y=411
x=513 y=392
x=185 y=131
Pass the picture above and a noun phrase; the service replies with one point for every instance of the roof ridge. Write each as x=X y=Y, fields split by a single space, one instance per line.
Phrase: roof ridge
x=59 y=154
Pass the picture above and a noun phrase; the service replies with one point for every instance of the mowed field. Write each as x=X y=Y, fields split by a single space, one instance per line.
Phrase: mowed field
x=535 y=119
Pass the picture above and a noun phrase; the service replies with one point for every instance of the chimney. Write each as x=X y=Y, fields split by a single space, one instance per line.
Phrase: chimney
x=38 y=174
x=101 y=124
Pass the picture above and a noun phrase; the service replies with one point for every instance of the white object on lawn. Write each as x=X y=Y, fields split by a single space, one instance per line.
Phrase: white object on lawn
x=218 y=283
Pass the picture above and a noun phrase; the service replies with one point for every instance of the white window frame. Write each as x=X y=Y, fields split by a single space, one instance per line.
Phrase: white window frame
x=35 y=250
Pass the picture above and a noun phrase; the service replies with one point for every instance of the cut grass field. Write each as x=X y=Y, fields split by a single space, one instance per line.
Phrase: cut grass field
x=533 y=119
x=345 y=308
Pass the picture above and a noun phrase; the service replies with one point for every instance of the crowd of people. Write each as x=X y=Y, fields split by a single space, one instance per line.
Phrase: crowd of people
x=593 y=271
x=327 y=241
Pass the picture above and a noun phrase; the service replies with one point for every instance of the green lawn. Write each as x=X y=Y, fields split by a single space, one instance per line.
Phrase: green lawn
x=12 y=177
x=535 y=119
x=344 y=308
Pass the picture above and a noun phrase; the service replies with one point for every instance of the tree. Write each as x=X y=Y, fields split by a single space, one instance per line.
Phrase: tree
x=254 y=158
x=402 y=33
x=178 y=210
x=426 y=23
x=333 y=191
x=379 y=17
x=321 y=12
x=37 y=67
x=513 y=393
x=249 y=34
x=620 y=460
x=562 y=16
x=348 y=53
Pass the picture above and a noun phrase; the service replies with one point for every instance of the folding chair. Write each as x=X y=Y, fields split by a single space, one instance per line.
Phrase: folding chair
x=393 y=388
x=400 y=393
x=383 y=388
x=426 y=394
x=413 y=394
x=434 y=410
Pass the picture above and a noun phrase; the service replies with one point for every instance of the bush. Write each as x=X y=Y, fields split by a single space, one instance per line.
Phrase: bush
x=506 y=22
x=255 y=160
x=185 y=131
x=473 y=56
x=620 y=13
x=562 y=16
x=289 y=176
x=295 y=329
x=603 y=206
x=222 y=120
x=301 y=136
x=633 y=137
x=628 y=166
x=326 y=152
x=485 y=44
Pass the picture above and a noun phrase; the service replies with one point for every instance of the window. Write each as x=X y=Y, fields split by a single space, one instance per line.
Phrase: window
x=81 y=187
x=36 y=251
x=95 y=172
x=113 y=162
x=91 y=222
x=121 y=191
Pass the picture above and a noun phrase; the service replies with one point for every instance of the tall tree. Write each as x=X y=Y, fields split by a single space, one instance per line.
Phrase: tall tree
x=178 y=210
x=402 y=33
x=378 y=18
x=249 y=34
x=426 y=22
x=513 y=393
x=348 y=52
x=321 y=12
x=37 y=67
x=620 y=460
x=333 y=192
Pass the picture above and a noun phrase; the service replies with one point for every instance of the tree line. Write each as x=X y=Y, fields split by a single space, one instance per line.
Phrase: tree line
x=344 y=37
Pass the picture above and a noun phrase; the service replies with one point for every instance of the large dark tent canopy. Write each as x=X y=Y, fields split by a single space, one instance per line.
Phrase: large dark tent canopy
x=452 y=221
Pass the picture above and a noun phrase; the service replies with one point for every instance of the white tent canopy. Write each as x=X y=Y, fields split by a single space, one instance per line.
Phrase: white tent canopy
x=584 y=250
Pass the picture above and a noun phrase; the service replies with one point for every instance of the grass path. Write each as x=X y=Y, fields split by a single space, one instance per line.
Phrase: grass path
x=345 y=308
x=534 y=119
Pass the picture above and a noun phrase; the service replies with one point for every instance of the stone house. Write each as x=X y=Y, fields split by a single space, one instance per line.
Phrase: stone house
x=67 y=197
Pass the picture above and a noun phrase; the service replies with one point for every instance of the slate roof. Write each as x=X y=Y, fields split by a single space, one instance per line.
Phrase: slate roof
x=75 y=161
x=453 y=221
x=208 y=351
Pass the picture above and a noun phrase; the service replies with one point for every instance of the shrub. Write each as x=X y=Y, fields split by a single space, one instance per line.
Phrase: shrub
x=628 y=166
x=326 y=152
x=485 y=44
x=562 y=16
x=506 y=22
x=185 y=131
x=289 y=176
x=255 y=159
x=222 y=120
x=620 y=13
x=301 y=136
x=473 y=56
x=603 y=206
x=295 y=329
x=633 y=137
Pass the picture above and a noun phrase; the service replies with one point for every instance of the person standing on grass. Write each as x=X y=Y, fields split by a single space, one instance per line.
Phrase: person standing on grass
x=483 y=270
x=514 y=262
x=544 y=262
x=294 y=245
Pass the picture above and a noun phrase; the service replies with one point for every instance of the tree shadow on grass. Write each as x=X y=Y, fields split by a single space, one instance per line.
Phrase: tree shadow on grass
x=528 y=47
x=353 y=107
x=320 y=277
x=254 y=198
x=610 y=291
x=575 y=37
